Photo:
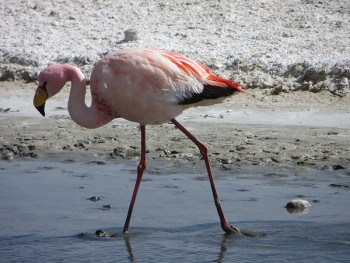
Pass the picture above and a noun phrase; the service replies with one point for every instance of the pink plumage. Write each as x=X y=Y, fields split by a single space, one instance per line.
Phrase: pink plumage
x=149 y=86
x=146 y=86
x=141 y=85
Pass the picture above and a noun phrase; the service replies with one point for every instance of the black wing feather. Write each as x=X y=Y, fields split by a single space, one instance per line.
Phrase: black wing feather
x=209 y=92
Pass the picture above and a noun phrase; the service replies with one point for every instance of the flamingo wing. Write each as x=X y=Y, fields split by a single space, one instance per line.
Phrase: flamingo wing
x=213 y=86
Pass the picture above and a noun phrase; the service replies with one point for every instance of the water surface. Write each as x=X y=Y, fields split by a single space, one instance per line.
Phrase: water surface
x=45 y=205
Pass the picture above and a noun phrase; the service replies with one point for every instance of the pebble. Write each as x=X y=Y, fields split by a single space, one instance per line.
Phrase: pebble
x=298 y=206
x=131 y=35
x=94 y=198
x=79 y=145
x=225 y=161
x=101 y=233
x=344 y=81
x=338 y=167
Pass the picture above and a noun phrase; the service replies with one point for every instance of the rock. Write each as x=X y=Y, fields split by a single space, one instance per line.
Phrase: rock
x=130 y=35
x=79 y=145
x=338 y=167
x=67 y=148
x=315 y=75
x=344 y=82
x=101 y=233
x=6 y=155
x=295 y=70
x=94 y=198
x=298 y=206
x=225 y=161
x=106 y=207
x=118 y=152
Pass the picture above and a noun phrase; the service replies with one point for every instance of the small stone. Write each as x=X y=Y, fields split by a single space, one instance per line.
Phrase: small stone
x=67 y=148
x=338 y=167
x=31 y=147
x=344 y=81
x=131 y=35
x=94 y=198
x=239 y=148
x=101 y=233
x=275 y=159
x=53 y=13
x=7 y=155
x=298 y=206
x=79 y=145
x=225 y=161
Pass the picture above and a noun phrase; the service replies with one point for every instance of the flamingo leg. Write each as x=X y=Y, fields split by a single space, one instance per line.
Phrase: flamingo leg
x=140 y=169
x=204 y=151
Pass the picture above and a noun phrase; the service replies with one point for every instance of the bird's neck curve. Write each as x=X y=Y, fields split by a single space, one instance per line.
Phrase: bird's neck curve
x=87 y=117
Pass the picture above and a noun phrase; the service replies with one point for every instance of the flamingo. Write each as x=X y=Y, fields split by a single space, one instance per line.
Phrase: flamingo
x=146 y=86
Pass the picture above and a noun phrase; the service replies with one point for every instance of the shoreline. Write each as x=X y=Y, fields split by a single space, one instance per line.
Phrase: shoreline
x=246 y=131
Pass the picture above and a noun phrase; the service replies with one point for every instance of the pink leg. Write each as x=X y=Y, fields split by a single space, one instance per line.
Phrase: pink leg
x=204 y=151
x=140 y=169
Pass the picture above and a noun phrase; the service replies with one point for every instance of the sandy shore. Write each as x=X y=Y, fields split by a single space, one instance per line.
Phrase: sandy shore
x=290 y=131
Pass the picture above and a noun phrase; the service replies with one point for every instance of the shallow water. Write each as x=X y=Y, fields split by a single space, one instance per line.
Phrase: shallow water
x=44 y=205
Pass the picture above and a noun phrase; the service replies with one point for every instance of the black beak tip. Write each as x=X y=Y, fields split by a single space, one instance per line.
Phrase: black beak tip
x=41 y=109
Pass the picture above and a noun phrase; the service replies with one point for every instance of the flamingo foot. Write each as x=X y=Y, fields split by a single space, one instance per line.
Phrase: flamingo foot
x=229 y=229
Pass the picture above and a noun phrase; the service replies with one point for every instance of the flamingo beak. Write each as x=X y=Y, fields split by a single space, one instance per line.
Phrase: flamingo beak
x=40 y=98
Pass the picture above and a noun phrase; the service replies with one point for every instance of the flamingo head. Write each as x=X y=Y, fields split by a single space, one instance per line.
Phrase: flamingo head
x=51 y=81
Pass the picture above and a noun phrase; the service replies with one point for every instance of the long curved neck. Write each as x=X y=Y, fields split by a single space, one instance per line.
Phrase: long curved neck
x=88 y=117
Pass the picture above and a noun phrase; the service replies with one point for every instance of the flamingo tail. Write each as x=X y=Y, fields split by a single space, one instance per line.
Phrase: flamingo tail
x=214 y=88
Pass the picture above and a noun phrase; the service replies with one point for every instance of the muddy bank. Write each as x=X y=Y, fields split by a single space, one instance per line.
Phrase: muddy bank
x=231 y=147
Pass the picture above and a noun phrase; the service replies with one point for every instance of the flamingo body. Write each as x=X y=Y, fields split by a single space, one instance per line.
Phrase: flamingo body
x=150 y=86
x=147 y=86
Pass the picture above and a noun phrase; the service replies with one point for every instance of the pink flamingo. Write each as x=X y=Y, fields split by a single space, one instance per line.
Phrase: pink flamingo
x=147 y=86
